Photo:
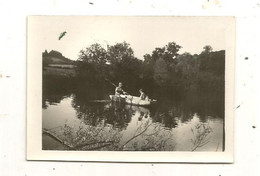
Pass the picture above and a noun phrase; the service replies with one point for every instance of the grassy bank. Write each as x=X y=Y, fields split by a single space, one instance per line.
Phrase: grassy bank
x=63 y=72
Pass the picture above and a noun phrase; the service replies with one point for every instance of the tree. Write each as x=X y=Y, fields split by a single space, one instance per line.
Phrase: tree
x=123 y=64
x=187 y=69
x=119 y=52
x=186 y=64
x=161 y=64
x=212 y=71
x=207 y=49
x=95 y=54
x=148 y=64
x=168 y=53
x=148 y=60
x=161 y=74
x=171 y=52
x=204 y=58
x=91 y=64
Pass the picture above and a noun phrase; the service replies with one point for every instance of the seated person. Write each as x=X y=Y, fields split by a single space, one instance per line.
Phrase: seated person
x=119 y=90
x=143 y=96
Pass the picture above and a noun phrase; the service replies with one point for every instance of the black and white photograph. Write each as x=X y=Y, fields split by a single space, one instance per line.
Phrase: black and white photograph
x=130 y=84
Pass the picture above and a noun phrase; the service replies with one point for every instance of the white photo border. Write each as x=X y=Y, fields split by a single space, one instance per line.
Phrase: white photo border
x=34 y=110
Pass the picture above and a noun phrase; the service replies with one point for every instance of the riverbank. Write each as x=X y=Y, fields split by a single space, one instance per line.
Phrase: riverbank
x=62 y=72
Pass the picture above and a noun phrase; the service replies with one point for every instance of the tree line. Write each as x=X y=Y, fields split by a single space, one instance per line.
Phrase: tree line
x=163 y=72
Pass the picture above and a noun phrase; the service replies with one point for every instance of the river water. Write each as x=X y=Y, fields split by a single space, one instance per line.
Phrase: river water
x=103 y=125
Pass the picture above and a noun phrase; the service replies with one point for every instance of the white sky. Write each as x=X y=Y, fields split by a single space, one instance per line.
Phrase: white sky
x=143 y=34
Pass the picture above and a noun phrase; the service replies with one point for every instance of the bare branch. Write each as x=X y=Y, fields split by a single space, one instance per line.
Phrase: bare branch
x=137 y=135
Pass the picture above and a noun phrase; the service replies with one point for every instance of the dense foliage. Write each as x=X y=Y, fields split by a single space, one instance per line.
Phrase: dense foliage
x=163 y=72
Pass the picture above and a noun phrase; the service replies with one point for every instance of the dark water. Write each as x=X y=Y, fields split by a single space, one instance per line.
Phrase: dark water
x=73 y=119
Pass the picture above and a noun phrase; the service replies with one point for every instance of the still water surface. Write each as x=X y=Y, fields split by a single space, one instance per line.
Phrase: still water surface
x=106 y=126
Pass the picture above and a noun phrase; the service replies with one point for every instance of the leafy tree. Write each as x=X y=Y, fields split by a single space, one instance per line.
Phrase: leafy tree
x=94 y=54
x=123 y=65
x=204 y=58
x=120 y=52
x=187 y=69
x=207 y=49
x=161 y=64
x=161 y=74
x=147 y=67
x=211 y=71
x=148 y=60
x=171 y=52
x=91 y=64
x=164 y=67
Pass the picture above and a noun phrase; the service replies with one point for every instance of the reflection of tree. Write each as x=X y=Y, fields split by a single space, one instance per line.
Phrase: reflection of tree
x=144 y=112
x=165 y=118
x=44 y=104
x=169 y=113
x=55 y=89
x=204 y=105
x=147 y=137
x=166 y=115
x=94 y=114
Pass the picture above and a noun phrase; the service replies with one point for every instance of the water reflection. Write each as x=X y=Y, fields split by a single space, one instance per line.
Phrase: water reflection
x=96 y=113
x=79 y=124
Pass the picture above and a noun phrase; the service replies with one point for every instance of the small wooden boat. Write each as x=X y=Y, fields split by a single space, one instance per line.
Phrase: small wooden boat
x=133 y=100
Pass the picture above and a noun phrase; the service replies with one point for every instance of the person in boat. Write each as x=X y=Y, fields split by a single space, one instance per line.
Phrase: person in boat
x=119 y=90
x=143 y=96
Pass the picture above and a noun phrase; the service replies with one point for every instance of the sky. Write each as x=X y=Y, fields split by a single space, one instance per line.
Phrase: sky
x=143 y=34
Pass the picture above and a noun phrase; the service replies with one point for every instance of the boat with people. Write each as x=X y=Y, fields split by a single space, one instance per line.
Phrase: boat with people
x=132 y=100
x=122 y=96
